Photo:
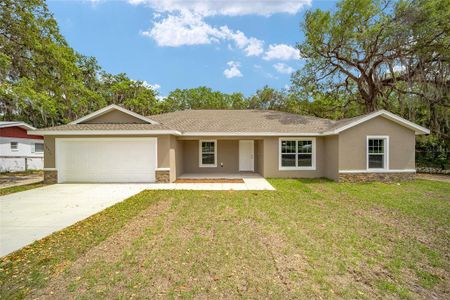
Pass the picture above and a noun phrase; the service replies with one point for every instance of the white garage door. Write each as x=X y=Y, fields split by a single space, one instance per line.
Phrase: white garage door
x=106 y=159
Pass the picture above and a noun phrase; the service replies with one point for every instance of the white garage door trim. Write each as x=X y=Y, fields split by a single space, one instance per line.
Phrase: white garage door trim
x=59 y=145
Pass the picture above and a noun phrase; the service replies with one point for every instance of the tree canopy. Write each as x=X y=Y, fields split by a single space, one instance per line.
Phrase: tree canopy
x=380 y=54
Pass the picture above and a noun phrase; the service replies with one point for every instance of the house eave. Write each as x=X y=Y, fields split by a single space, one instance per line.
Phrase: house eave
x=103 y=132
x=18 y=124
x=228 y=134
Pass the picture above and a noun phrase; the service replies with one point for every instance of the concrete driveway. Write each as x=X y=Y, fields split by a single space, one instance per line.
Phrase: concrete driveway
x=31 y=215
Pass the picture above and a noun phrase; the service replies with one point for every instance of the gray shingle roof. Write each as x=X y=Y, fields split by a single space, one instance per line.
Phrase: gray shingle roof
x=242 y=121
x=222 y=121
x=343 y=122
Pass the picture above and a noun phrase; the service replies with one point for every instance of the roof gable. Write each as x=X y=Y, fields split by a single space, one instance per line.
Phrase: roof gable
x=114 y=117
x=23 y=125
x=346 y=124
x=114 y=114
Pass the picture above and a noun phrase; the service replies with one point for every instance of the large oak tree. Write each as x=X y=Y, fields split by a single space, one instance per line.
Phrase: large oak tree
x=372 y=50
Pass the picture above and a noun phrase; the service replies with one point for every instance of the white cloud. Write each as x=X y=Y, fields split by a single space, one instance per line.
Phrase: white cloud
x=226 y=7
x=254 y=48
x=283 y=68
x=184 y=29
x=233 y=70
x=154 y=86
x=281 y=52
x=190 y=29
x=178 y=23
x=251 y=46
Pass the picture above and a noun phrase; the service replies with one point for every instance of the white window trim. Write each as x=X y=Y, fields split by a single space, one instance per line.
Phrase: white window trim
x=200 y=164
x=313 y=165
x=386 y=153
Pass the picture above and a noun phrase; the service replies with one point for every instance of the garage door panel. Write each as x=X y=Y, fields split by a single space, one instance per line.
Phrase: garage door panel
x=106 y=160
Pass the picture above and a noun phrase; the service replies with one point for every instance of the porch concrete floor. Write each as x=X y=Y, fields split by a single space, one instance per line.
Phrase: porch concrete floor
x=252 y=181
x=241 y=175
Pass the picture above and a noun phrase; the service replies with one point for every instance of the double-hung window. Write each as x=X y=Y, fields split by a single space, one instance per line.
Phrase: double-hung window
x=297 y=154
x=14 y=146
x=208 y=153
x=38 y=147
x=377 y=152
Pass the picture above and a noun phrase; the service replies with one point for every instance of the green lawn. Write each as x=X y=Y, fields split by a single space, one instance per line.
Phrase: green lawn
x=308 y=239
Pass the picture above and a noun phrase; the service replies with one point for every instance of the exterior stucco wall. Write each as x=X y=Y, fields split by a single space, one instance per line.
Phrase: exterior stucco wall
x=114 y=116
x=163 y=150
x=49 y=152
x=227 y=155
x=173 y=158
x=331 y=157
x=259 y=153
x=271 y=161
x=352 y=145
x=179 y=152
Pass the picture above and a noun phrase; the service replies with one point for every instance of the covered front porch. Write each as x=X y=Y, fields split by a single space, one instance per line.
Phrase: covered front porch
x=223 y=181
x=240 y=175
x=219 y=158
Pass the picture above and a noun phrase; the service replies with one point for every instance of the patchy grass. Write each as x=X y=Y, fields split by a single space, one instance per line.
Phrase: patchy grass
x=20 y=188
x=308 y=239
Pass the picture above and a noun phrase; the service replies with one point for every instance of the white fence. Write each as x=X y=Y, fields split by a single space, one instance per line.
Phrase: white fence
x=20 y=163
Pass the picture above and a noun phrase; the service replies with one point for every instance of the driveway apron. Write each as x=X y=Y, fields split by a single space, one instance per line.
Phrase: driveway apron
x=31 y=215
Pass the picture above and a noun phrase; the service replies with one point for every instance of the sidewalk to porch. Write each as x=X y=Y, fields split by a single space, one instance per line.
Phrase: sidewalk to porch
x=252 y=182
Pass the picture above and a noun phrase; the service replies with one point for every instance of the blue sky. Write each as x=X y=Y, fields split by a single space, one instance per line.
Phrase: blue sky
x=231 y=46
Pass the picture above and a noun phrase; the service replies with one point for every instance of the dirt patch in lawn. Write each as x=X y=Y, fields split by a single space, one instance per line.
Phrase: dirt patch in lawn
x=436 y=177
x=219 y=180
x=283 y=258
x=109 y=251
x=18 y=179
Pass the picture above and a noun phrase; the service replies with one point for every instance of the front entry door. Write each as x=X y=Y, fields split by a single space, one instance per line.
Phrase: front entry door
x=246 y=155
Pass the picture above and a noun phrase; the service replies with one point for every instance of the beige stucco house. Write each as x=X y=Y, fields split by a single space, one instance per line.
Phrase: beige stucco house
x=116 y=145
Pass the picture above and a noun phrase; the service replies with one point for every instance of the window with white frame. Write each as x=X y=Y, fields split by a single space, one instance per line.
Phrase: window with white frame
x=377 y=152
x=14 y=146
x=208 y=153
x=297 y=154
x=39 y=147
